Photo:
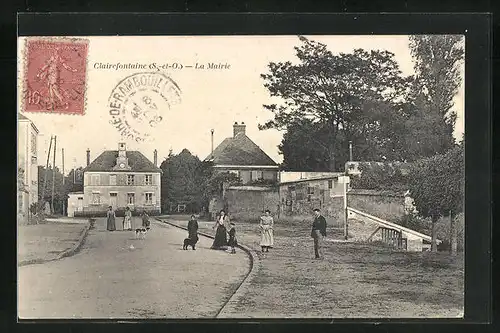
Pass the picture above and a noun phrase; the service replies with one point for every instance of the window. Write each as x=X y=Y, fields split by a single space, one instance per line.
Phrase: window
x=291 y=188
x=310 y=190
x=149 y=198
x=33 y=159
x=130 y=198
x=330 y=184
x=130 y=179
x=96 y=198
x=256 y=175
x=95 y=179
x=149 y=180
x=112 y=180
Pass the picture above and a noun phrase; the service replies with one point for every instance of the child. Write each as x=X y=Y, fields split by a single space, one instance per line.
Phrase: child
x=232 y=242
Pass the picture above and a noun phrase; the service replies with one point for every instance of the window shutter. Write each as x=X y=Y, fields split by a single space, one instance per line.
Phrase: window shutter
x=153 y=198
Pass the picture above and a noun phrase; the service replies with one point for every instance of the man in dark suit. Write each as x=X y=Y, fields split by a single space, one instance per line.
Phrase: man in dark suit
x=318 y=232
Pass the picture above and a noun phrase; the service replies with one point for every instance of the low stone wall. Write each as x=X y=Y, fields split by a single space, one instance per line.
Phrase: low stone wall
x=248 y=204
x=385 y=205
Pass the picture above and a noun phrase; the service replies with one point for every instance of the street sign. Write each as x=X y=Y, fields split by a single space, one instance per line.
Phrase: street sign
x=344 y=179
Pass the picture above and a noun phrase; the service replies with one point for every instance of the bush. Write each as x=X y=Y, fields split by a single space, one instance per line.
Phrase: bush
x=415 y=222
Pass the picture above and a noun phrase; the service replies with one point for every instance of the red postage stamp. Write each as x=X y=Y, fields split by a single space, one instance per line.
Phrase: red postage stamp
x=55 y=75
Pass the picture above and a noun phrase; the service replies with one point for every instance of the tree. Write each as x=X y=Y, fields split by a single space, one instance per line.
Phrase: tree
x=180 y=181
x=437 y=186
x=438 y=60
x=302 y=147
x=383 y=176
x=333 y=92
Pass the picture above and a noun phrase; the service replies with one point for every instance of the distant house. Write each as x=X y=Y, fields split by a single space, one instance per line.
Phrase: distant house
x=240 y=155
x=27 y=163
x=118 y=178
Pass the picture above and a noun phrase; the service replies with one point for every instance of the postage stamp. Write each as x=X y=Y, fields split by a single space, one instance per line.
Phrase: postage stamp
x=140 y=103
x=55 y=75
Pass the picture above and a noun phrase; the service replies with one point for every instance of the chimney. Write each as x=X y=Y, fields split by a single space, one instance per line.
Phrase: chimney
x=237 y=129
x=155 y=157
x=88 y=157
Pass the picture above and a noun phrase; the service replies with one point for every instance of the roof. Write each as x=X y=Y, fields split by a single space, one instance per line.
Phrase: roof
x=240 y=150
x=21 y=117
x=136 y=160
x=312 y=179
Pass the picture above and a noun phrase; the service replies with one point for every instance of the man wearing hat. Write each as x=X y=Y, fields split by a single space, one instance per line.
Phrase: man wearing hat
x=318 y=232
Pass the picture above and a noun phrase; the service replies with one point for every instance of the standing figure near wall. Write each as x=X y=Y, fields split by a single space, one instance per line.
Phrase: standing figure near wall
x=266 y=230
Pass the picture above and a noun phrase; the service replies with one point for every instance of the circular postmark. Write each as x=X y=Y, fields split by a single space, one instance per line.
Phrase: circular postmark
x=140 y=103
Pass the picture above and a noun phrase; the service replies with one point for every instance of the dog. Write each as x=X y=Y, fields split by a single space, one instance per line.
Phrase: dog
x=189 y=242
x=141 y=232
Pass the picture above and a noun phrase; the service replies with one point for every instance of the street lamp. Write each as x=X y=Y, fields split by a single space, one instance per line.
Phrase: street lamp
x=345 y=180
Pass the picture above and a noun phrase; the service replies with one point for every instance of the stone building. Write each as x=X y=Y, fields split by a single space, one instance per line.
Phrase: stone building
x=298 y=197
x=27 y=163
x=240 y=155
x=118 y=178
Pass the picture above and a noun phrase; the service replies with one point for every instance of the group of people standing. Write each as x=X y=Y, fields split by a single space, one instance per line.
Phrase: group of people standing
x=266 y=225
x=127 y=219
x=224 y=227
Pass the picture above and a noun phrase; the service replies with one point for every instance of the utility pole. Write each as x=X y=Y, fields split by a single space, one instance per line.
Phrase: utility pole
x=212 y=138
x=53 y=176
x=350 y=150
x=46 y=170
x=64 y=190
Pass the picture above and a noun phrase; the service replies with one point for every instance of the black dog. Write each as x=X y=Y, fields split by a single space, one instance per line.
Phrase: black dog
x=190 y=242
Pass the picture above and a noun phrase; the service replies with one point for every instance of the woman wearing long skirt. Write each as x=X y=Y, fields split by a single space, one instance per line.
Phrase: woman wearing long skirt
x=220 y=241
x=266 y=231
x=110 y=216
x=127 y=219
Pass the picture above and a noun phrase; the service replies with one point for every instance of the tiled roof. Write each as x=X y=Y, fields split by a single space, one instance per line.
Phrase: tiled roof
x=136 y=160
x=239 y=150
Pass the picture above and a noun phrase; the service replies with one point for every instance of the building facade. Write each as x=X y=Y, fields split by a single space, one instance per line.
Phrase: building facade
x=27 y=163
x=240 y=155
x=119 y=178
x=299 y=197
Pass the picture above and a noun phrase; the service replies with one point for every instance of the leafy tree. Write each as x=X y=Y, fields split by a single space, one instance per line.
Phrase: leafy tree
x=180 y=181
x=437 y=186
x=333 y=92
x=438 y=60
x=302 y=147
x=380 y=176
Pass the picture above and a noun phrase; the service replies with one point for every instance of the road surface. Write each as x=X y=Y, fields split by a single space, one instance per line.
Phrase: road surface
x=154 y=279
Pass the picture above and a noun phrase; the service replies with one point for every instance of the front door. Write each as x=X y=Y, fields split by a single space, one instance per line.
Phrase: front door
x=80 y=204
x=112 y=200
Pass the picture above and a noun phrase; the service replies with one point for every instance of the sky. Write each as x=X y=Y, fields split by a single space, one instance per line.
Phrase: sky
x=210 y=98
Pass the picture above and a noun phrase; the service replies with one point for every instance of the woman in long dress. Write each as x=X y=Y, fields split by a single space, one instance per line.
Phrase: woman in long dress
x=193 y=230
x=266 y=231
x=110 y=217
x=220 y=241
x=127 y=219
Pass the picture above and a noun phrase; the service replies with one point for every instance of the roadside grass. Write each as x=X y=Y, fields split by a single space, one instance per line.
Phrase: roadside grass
x=45 y=241
x=356 y=280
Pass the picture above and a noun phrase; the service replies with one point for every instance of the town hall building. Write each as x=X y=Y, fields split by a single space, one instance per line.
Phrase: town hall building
x=118 y=178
